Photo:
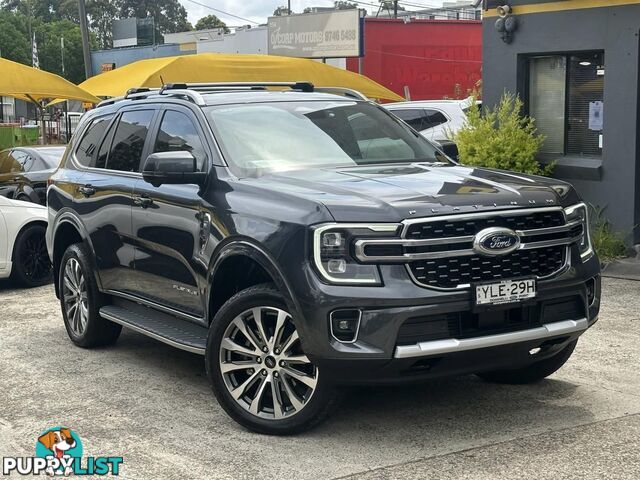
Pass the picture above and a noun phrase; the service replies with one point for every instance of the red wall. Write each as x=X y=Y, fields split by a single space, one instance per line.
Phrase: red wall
x=430 y=56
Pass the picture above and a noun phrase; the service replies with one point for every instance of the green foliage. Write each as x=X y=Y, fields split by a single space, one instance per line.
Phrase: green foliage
x=608 y=244
x=14 y=40
x=501 y=138
x=282 y=11
x=211 y=21
x=344 y=5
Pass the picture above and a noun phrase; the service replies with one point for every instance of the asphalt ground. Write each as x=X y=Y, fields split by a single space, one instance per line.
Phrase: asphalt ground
x=152 y=405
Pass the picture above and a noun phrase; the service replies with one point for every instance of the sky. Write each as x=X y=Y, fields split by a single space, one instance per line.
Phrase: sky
x=258 y=10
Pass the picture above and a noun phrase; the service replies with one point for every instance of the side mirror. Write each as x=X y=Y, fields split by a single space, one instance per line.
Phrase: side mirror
x=178 y=167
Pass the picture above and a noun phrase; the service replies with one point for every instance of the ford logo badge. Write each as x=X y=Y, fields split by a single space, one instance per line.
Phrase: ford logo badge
x=496 y=241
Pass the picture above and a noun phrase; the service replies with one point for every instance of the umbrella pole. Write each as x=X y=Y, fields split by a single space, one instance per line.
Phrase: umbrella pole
x=40 y=110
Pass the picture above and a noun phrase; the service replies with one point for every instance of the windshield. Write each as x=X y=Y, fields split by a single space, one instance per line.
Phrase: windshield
x=51 y=156
x=262 y=138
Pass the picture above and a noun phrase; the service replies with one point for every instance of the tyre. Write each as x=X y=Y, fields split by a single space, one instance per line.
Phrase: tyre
x=532 y=373
x=31 y=265
x=81 y=301
x=259 y=373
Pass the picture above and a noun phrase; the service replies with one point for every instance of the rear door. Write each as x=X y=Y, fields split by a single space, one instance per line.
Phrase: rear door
x=168 y=222
x=110 y=154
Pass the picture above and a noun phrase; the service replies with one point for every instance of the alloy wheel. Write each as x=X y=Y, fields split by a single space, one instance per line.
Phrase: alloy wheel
x=76 y=302
x=35 y=259
x=263 y=366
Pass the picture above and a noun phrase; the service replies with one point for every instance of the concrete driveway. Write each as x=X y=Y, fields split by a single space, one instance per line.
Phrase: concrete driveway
x=152 y=405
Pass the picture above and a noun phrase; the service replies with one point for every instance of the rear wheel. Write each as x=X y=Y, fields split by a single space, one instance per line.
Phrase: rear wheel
x=534 y=372
x=31 y=265
x=81 y=301
x=260 y=374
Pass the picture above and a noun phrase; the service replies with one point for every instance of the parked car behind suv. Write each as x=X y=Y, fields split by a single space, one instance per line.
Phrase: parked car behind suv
x=24 y=171
x=434 y=119
x=301 y=240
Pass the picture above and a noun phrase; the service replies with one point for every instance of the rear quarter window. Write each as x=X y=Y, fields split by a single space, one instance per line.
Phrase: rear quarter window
x=87 y=150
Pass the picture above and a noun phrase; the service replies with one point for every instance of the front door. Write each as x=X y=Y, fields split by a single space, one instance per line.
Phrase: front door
x=168 y=221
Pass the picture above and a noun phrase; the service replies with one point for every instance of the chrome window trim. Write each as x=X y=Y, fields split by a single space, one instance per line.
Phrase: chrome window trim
x=452 y=345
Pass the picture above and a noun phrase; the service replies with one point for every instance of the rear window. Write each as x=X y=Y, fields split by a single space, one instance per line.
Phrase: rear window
x=88 y=146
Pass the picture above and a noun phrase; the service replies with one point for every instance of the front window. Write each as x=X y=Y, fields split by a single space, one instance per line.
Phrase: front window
x=262 y=138
x=566 y=95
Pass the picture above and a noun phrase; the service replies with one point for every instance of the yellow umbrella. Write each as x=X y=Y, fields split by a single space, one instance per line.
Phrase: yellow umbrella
x=218 y=67
x=30 y=84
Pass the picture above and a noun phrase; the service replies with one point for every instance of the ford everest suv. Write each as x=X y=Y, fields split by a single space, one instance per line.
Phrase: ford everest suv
x=301 y=240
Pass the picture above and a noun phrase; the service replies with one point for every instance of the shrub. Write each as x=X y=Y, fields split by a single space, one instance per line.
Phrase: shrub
x=607 y=243
x=501 y=138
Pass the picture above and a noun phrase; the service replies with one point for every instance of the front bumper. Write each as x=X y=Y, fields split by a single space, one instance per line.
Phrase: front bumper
x=379 y=355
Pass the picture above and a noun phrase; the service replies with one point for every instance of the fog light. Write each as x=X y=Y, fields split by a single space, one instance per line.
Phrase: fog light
x=345 y=325
x=337 y=266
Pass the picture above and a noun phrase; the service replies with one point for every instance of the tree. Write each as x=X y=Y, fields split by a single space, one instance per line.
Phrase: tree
x=49 y=49
x=282 y=11
x=14 y=39
x=169 y=15
x=344 y=5
x=101 y=14
x=211 y=21
x=501 y=138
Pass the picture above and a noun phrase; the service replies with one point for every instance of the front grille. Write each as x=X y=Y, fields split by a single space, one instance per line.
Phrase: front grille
x=453 y=271
x=458 y=228
x=442 y=252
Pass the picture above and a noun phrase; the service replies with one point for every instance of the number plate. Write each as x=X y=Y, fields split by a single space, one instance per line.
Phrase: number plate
x=506 y=291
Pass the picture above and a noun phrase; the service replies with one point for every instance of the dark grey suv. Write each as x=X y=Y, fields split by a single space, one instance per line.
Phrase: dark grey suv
x=302 y=240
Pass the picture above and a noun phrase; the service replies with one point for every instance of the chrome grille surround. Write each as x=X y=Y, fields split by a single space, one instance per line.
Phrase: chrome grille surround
x=448 y=247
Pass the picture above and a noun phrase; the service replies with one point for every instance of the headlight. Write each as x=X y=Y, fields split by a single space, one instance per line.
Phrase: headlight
x=581 y=212
x=333 y=252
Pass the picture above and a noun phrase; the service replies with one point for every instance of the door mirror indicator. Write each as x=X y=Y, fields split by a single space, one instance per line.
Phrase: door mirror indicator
x=177 y=167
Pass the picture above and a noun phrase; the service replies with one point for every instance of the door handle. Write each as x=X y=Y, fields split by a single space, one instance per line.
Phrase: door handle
x=87 y=190
x=143 y=201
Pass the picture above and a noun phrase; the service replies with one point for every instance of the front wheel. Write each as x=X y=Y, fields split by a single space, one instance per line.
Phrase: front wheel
x=531 y=373
x=260 y=375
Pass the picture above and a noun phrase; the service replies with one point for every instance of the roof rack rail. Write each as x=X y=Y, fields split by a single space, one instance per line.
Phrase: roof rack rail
x=215 y=86
x=347 y=92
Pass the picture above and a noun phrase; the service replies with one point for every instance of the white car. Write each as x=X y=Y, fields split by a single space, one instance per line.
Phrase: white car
x=23 y=251
x=434 y=119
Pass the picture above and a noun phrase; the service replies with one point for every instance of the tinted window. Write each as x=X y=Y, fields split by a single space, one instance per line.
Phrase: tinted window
x=270 y=137
x=433 y=118
x=178 y=133
x=415 y=117
x=128 y=141
x=103 y=152
x=87 y=148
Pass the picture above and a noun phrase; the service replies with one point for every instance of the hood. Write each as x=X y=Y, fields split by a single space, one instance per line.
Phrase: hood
x=384 y=193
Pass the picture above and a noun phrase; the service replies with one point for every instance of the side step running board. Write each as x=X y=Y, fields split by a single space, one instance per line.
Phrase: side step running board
x=165 y=328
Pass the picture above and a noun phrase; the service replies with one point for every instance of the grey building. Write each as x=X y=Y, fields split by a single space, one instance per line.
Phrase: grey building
x=575 y=65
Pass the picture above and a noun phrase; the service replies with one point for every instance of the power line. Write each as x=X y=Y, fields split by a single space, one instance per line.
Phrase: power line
x=223 y=12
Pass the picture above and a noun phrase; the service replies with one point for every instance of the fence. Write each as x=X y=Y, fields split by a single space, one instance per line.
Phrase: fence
x=57 y=131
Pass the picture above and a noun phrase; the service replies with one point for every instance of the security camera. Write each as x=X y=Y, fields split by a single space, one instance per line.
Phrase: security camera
x=504 y=10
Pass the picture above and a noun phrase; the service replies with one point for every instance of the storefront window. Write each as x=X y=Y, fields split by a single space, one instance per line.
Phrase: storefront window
x=566 y=95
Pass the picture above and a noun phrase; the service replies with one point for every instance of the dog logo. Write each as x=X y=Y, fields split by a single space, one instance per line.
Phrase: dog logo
x=59 y=452
x=61 y=444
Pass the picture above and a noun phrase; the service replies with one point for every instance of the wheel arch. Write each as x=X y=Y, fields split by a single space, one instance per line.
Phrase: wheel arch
x=240 y=264
x=68 y=230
